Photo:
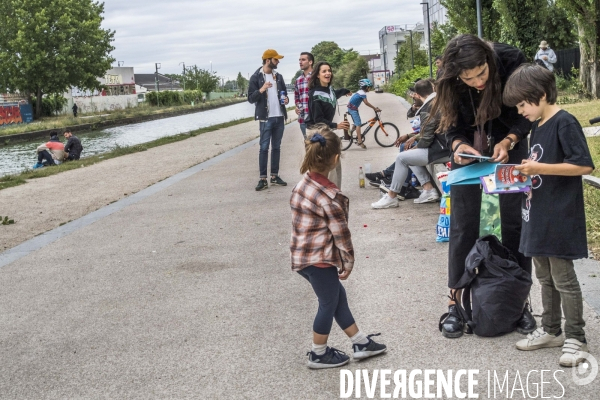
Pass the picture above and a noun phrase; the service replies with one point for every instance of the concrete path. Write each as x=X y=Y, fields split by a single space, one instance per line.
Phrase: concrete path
x=188 y=293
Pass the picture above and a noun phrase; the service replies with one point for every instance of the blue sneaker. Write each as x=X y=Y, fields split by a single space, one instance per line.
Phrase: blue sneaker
x=362 y=351
x=37 y=165
x=331 y=359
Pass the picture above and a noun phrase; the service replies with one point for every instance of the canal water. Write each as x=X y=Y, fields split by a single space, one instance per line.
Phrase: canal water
x=21 y=156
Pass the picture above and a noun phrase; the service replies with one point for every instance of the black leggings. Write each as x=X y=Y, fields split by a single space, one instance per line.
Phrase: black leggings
x=465 y=201
x=332 y=299
x=45 y=155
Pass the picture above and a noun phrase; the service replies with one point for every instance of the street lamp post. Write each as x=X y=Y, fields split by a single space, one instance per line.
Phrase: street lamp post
x=183 y=74
x=211 y=67
x=412 y=56
x=156 y=84
x=428 y=39
x=479 y=27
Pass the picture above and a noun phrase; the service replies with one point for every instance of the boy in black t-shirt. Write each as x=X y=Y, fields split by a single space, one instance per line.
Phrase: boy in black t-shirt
x=553 y=230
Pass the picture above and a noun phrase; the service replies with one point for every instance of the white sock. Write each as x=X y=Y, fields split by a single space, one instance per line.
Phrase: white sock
x=319 y=349
x=359 y=338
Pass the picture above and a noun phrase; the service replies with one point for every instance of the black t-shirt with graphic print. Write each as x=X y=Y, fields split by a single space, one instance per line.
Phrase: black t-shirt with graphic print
x=553 y=213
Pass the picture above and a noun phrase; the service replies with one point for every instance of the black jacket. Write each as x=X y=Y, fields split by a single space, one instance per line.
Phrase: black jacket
x=322 y=102
x=507 y=59
x=74 y=146
x=257 y=80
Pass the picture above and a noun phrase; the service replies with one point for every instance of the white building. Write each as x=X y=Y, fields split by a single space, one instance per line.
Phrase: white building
x=390 y=39
x=119 y=93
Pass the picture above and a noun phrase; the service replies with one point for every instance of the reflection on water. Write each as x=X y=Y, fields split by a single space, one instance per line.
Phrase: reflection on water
x=18 y=157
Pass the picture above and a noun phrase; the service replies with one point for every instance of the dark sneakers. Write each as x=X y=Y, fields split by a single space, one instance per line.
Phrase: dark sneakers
x=451 y=324
x=362 y=351
x=262 y=185
x=527 y=323
x=331 y=359
x=277 y=181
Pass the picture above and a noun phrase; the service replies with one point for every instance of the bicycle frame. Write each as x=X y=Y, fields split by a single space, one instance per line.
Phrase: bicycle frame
x=371 y=124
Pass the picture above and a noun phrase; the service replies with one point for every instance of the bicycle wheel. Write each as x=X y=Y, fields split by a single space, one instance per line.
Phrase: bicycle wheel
x=345 y=143
x=387 y=136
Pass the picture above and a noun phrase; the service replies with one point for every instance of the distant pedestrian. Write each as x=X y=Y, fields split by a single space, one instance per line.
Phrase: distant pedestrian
x=558 y=157
x=301 y=89
x=75 y=108
x=546 y=55
x=73 y=148
x=322 y=252
x=51 y=152
x=438 y=64
x=264 y=91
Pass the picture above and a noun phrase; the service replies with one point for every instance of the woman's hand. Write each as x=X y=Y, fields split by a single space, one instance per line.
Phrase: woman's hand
x=343 y=274
x=501 y=152
x=464 y=149
x=343 y=125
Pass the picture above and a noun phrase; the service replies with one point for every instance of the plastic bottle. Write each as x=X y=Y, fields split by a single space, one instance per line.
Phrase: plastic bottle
x=361 y=178
x=413 y=180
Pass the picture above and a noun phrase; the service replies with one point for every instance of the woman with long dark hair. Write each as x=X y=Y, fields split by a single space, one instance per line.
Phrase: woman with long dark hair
x=322 y=103
x=469 y=100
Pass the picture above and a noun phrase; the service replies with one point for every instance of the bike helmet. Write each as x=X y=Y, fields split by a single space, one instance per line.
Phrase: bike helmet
x=365 y=82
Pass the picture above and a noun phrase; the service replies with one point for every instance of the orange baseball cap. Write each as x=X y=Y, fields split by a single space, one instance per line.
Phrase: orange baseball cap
x=270 y=53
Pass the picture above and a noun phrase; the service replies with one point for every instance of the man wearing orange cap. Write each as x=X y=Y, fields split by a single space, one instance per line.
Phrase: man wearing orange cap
x=264 y=91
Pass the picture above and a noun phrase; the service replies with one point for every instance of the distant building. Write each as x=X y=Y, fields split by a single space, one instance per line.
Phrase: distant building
x=118 y=92
x=165 y=83
x=437 y=12
x=390 y=39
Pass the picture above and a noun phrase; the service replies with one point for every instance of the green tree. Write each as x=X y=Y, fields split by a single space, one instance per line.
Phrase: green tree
x=462 y=15
x=296 y=76
x=440 y=36
x=558 y=29
x=201 y=79
x=330 y=52
x=587 y=15
x=349 y=74
x=48 y=46
x=521 y=22
x=242 y=83
x=404 y=59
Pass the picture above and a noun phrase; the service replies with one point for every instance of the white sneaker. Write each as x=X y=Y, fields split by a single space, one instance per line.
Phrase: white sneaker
x=385 y=202
x=428 y=196
x=574 y=352
x=539 y=339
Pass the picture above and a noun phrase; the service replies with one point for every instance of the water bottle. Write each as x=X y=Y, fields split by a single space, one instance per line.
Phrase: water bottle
x=413 y=180
x=282 y=97
x=361 y=178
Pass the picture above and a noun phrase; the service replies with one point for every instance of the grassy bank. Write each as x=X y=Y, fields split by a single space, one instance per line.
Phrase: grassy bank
x=584 y=111
x=19 y=179
x=144 y=109
x=592 y=199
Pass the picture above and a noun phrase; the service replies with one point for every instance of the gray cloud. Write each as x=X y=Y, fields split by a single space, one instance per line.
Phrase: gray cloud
x=234 y=33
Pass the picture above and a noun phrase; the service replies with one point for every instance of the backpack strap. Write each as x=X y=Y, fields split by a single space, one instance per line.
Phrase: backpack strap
x=464 y=314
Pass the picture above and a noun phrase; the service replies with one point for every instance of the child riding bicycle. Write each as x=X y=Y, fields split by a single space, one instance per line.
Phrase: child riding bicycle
x=355 y=102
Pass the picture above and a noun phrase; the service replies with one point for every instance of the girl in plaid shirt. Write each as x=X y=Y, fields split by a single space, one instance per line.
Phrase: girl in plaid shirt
x=321 y=250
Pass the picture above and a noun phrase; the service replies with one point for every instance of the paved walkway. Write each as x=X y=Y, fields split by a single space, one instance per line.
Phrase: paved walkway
x=187 y=293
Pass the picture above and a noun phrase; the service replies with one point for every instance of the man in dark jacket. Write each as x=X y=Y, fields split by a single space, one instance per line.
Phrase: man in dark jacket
x=73 y=148
x=264 y=90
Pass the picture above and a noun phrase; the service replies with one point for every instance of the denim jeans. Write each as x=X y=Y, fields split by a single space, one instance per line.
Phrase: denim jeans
x=389 y=171
x=271 y=132
x=560 y=287
x=303 y=130
x=45 y=155
x=333 y=303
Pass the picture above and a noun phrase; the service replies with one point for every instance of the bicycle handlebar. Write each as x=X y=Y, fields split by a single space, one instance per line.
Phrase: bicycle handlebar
x=594 y=120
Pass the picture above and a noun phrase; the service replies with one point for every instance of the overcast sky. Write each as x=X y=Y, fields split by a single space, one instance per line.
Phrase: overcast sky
x=233 y=34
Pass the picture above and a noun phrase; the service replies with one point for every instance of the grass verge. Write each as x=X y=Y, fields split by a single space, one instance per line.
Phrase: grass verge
x=62 y=121
x=591 y=196
x=19 y=179
x=583 y=111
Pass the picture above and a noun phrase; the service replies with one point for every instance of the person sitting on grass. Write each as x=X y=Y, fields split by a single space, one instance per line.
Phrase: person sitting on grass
x=553 y=216
x=51 y=152
x=73 y=148
x=355 y=101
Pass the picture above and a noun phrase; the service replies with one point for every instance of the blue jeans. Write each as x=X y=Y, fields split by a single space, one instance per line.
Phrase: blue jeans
x=271 y=131
x=333 y=303
x=389 y=171
x=303 y=129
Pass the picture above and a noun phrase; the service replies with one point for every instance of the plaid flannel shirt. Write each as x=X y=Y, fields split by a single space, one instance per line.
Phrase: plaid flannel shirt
x=301 y=95
x=320 y=233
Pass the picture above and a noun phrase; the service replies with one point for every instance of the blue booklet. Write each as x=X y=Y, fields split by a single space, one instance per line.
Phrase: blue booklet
x=506 y=179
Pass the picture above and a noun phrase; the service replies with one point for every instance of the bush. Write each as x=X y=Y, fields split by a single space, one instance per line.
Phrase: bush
x=170 y=98
x=406 y=80
x=51 y=105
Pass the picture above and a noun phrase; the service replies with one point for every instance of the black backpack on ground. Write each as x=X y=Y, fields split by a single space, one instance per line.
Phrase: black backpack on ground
x=495 y=289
